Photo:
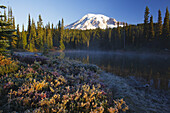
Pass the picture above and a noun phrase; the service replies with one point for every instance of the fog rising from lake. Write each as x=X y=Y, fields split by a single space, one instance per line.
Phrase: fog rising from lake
x=151 y=68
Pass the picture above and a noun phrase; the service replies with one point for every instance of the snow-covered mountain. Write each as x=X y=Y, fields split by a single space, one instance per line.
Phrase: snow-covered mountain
x=93 y=21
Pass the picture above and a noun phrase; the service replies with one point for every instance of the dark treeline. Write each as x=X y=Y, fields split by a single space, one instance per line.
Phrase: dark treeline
x=141 y=36
x=37 y=37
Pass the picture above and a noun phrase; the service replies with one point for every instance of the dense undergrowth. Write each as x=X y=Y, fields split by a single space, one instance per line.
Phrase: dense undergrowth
x=53 y=85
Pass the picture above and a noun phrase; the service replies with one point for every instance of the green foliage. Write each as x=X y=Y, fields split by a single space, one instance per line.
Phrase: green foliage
x=45 y=49
x=39 y=39
x=14 y=38
x=62 y=46
x=31 y=42
x=49 y=37
x=32 y=37
x=146 y=21
x=24 y=38
x=165 y=31
x=151 y=29
x=19 y=40
x=3 y=45
x=7 y=65
x=6 y=33
x=44 y=36
x=159 y=28
x=29 y=24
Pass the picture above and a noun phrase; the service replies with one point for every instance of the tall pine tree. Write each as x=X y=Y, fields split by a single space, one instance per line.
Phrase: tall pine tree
x=165 y=32
x=159 y=25
x=29 y=24
x=33 y=36
x=62 y=46
x=151 y=29
x=19 y=44
x=146 y=21
x=24 y=38
x=39 y=40
x=11 y=19
x=29 y=31
x=49 y=36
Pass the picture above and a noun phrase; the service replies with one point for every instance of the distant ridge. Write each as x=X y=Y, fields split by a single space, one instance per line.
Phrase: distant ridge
x=93 y=21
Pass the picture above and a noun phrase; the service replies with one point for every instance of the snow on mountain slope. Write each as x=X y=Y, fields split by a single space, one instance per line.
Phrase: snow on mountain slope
x=93 y=21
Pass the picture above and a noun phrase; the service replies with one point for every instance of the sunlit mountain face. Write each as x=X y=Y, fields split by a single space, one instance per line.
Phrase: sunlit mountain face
x=93 y=21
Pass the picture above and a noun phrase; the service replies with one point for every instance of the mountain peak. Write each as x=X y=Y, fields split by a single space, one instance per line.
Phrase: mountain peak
x=93 y=21
x=94 y=15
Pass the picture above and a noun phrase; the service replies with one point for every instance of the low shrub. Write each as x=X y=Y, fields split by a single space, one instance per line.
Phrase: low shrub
x=58 y=86
x=7 y=65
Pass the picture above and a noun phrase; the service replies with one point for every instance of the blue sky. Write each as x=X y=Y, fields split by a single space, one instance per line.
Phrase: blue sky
x=130 y=11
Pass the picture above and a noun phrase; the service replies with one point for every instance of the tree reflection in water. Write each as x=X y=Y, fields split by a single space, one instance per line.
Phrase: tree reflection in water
x=155 y=69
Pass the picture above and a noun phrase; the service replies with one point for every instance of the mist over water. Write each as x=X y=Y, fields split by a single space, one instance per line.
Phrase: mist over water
x=150 y=68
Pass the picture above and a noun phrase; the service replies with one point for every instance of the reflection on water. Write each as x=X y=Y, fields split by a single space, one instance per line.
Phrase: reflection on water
x=153 y=68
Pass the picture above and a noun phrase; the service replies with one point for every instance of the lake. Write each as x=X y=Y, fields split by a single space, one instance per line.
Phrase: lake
x=151 y=68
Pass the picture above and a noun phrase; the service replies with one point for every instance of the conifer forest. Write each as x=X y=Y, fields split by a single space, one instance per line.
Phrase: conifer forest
x=147 y=35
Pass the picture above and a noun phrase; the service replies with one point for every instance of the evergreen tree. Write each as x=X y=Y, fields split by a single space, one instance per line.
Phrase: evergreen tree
x=57 y=34
x=52 y=29
x=49 y=36
x=32 y=37
x=29 y=32
x=13 y=23
x=5 y=16
x=10 y=15
x=118 y=44
x=14 y=38
x=53 y=34
x=29 y=24
x=24 y=38
x=39 y=40
x=151 y=29
x=5 y=34
x=110 y=35
x=47 y=29
x=59 y=26
x=146 y=21
x=19 y=38
x=165 y=31
x=11 y=20
x=44 y=37
x=118 y=31
x=62 y=46
x=126 y=34
x=159 y=28
x=130 y=35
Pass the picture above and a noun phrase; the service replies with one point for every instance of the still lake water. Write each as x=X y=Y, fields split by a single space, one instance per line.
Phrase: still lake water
x=153 y=69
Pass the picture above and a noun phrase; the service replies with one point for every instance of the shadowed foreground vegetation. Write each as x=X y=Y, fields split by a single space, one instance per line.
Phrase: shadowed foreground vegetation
x=54 y=85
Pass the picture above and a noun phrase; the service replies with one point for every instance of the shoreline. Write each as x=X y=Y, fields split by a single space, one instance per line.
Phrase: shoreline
x=138 y=99
x=123 y=52
x=119 y=52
